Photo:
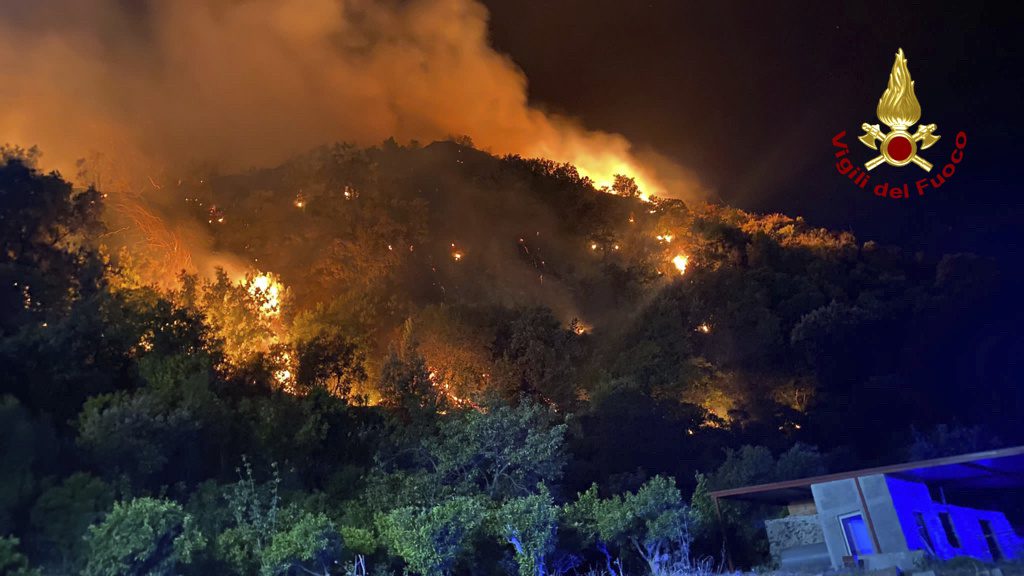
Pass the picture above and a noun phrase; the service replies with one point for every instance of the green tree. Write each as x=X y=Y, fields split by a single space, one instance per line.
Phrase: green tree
x=749 y=465
x=24 y=442
x=143 y=536
x=270 y=539
x=309 y=544
x=12 y=561
x=431 y=539
x=62 y=515
x=135 y=434
x=528 y=524
x=653 y=521
x=503 y=451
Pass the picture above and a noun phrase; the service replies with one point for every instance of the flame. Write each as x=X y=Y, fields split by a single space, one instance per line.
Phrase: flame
x=680 y=262
x=898 y=107
x=285 y=374
x=602 y=168
x=664 y=237
x=266 y=290
x=444 y=388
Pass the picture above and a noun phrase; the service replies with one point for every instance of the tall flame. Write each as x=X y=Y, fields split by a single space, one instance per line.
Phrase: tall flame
x=898 y=107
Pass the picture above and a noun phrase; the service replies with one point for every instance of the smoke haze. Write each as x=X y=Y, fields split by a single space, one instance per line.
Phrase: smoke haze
x=238 y=83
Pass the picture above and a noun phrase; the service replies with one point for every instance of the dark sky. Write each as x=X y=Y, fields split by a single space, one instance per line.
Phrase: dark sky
x=749 y=95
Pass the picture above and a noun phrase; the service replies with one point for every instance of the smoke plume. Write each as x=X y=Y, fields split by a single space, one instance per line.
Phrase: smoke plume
x=239 y=83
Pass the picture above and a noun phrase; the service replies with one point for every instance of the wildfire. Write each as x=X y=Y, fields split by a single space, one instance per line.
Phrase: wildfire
x=443 y=388
x=266 y=290
x=285 y=374
x=680 y=262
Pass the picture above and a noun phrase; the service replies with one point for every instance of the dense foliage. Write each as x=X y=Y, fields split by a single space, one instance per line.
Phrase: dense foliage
x=472 y=365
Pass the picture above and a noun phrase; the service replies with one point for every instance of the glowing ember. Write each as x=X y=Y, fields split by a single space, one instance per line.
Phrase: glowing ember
x=579 y=327
x=680 y=262
x=664 y=237
x=703 y=328
x=300 y=202
x=457 y=256
x=593 y=245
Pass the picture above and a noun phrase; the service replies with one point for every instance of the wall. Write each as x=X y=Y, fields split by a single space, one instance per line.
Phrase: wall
x=840 y=497
x=911 y=497
x=792 y=531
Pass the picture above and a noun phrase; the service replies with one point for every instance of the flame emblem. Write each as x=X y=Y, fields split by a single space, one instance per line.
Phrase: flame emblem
x=899 y=109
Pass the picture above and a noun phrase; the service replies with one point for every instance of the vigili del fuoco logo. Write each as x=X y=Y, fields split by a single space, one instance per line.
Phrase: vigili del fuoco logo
x=899 y=109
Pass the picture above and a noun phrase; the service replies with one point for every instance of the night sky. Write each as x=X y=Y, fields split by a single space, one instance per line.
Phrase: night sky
x=749 y=95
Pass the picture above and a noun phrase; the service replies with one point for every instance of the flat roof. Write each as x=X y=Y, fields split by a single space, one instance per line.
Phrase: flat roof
x=991 y=469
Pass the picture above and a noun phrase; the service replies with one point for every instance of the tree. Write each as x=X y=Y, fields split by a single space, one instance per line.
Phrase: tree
x=13 y=562
x=255 y=508
x=271 y=539
x=143 y=536
x=430 y=539
x=135 y=434
x=625 y=186
x=746 y=466
x=331 y=362
x=310 y=544
x=654 y=521
x=405 y=385
x=24 y=442
x=528 y=524
x=657 y=524
x=62 y=515
x=540 y=356
x=141 y=433
x=44 y=256
x=503 y=451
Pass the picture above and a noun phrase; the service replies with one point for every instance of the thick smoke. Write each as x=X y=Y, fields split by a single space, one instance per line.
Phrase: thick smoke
x=239 y=83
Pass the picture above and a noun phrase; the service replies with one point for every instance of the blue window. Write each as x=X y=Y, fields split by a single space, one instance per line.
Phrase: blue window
x=858 y=539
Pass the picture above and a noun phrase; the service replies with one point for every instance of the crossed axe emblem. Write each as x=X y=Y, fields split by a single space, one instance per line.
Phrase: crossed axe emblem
x=898 y=147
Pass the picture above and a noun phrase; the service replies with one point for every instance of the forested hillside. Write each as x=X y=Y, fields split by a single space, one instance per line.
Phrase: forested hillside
x=436 y=359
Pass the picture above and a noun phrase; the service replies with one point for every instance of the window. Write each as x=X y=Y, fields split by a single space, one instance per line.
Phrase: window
x=947 y=525
x=990 y=539
x=922 y=531
x=858 y=539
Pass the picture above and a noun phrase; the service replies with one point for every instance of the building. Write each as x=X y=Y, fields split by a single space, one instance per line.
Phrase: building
x=891 y=515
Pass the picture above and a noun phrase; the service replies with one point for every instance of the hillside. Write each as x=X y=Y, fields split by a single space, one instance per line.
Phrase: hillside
x=386 y=324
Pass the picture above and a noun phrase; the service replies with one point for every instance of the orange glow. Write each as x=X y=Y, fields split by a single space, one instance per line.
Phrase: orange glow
x=680 y=262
